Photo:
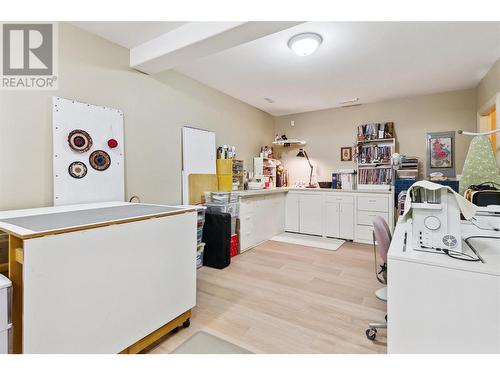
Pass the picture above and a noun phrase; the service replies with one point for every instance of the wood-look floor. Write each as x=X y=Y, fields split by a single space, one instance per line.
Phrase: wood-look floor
x=285 y=298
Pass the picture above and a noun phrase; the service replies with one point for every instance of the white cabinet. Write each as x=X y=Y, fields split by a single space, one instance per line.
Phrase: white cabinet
x=261 y=218
x=292 y=212
x=310 y=214
x=370 y=206
x=246 y=235
x=347 y=215
x=332 y=219
x=347 y=221
x=339 y=216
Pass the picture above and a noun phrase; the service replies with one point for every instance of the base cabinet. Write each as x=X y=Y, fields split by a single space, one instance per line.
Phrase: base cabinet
x=292 y=212
x=310 y=214
x=261 y=218
x=345 y=215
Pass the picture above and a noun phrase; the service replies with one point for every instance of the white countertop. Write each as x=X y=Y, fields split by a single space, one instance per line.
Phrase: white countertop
x=250 y=193
x=40 y=221
x=489 y=249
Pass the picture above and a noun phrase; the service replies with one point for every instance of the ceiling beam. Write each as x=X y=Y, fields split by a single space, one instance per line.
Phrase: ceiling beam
x=198 y=39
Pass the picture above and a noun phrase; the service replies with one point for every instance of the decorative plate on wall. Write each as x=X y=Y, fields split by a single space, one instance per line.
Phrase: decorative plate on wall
x=100 y=160
x=79 y=140
x=77 y=169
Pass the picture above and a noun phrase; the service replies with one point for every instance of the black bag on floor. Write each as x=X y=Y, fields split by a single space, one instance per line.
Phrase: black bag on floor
x=217 y=238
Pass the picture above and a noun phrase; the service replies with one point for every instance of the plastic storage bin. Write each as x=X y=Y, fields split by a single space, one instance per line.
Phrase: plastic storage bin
x=5 y=315
x=234 y=245
x=199 y=254
x=230 y=208
x=221 y=197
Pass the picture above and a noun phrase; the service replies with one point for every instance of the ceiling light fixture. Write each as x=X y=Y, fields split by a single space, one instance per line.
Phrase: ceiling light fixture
x=305 y=44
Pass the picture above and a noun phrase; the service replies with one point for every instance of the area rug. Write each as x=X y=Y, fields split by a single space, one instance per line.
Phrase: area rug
x=307 y=240
x=205 y=343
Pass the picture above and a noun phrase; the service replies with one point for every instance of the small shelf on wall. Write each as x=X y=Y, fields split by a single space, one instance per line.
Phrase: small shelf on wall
x=378 y=140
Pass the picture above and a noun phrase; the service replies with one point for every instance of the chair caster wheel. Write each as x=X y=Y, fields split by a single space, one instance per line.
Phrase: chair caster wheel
x=386 y=318
x=187 y=323
x=175 y=330
x=371 y=333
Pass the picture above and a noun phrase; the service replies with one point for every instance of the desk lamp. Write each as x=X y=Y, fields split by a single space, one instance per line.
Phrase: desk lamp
x=303 y=154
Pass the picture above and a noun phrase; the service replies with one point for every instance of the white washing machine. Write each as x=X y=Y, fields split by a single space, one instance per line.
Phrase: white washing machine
x=5 y=315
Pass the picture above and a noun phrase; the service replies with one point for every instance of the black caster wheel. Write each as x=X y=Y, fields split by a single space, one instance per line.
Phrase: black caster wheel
x=386 y=318
x=371 y=333
x=187 y=323
x=175 y=330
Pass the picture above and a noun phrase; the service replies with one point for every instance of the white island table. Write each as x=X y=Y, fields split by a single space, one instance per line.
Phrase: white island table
x=99 y=278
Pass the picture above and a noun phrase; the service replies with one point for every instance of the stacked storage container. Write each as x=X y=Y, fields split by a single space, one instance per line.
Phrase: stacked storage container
x=200 y=245
x=225 y=202
x=5 y=315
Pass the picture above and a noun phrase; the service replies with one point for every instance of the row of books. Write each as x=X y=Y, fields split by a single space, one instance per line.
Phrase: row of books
x=375 y=176
x=344 y=179
x=376 y=131
x=374 y=154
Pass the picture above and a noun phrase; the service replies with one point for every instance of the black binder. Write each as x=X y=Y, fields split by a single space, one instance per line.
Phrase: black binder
x=217 y=238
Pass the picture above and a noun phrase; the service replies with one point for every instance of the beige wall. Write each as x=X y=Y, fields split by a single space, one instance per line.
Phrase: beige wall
x=94 y=70
x=327 y=130
x=489 y=85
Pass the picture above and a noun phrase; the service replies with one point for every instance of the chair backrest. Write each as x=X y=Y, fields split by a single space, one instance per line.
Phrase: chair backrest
x=382 y=236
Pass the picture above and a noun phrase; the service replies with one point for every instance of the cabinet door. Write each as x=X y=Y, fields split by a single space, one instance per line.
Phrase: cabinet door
x=310 y=214
x=260 y=221
x=332 y=219
x=292 y=212
x=346 y=223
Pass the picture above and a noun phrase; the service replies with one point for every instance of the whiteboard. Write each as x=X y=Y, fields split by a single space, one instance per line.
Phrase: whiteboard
x=198 y=155
x=102 y=124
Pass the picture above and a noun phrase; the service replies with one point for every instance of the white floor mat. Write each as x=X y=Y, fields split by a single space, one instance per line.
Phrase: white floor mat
x=307 y=240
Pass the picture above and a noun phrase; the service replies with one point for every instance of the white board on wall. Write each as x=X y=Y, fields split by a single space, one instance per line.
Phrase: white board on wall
x=102 y=124
x=198 y=155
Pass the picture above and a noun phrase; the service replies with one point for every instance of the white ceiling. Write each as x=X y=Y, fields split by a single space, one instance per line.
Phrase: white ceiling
x=129 y=34
x=372 y=61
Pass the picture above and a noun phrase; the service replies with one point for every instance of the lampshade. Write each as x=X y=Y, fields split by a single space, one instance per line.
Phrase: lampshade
x=301 y=153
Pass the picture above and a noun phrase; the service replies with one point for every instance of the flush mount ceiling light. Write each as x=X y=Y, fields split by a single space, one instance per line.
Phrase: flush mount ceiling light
x=305 y=44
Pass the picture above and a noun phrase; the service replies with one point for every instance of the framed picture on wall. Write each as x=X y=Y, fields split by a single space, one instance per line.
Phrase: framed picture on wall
x=346 y=153
x=441 y=153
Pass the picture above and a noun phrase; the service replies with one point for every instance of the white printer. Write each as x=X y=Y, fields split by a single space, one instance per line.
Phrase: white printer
x=5 y=315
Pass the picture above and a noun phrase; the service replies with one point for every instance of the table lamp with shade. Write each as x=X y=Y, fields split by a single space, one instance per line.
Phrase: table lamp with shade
x=303 y=154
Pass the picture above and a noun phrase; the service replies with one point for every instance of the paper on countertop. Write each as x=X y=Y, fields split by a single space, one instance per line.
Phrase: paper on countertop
x=467 y=208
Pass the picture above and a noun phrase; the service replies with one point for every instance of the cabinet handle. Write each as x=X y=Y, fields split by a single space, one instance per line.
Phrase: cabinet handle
x=372 y=200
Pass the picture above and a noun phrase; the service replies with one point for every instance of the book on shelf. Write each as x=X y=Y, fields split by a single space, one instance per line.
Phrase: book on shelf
x=373 y=131
x=375 y=176
x=344 y=179
x=374 y=154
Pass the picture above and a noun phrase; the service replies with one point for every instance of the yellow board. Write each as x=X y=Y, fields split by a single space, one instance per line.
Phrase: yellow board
x=199 y=184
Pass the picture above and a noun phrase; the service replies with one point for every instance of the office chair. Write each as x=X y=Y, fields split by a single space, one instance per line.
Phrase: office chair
x=381 y=242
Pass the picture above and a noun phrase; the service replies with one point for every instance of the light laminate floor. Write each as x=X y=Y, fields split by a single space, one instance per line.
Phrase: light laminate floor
x=285 y=298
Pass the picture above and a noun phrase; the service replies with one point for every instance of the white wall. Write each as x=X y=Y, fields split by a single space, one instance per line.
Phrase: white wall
x=94 y=70
x=326 y=131
x=489 y=85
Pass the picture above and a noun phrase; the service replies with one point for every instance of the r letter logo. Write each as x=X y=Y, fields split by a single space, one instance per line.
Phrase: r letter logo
x=28 y=56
